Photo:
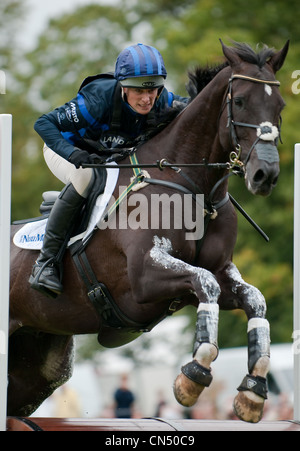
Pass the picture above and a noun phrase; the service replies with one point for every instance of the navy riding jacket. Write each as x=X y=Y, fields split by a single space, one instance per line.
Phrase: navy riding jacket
x=88 y=117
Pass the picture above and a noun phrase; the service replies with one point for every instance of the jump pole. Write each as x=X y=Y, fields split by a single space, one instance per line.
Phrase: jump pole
x=296 y=334
x=5 y=219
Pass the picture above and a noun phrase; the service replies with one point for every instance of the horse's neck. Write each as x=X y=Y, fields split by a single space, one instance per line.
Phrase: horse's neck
x=194 y=134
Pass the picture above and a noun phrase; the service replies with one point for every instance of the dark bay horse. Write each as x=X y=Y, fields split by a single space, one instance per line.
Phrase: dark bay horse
x=234 y=120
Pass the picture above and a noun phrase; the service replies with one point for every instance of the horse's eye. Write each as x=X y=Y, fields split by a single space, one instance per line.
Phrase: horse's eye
x=239 y=102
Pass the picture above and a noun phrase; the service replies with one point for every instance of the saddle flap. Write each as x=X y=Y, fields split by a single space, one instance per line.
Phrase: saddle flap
x=111 y=337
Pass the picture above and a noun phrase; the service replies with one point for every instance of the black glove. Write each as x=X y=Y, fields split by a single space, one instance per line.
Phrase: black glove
x=96 y=159
x=80 y=157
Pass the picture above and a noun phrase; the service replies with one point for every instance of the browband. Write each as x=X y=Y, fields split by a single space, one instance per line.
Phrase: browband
x=256 y=80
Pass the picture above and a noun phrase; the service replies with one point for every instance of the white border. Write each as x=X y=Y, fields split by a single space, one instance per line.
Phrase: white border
x=5 y=219
x=296 y=283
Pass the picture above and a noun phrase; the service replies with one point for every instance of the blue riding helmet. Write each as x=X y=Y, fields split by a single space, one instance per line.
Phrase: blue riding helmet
x=140 y=66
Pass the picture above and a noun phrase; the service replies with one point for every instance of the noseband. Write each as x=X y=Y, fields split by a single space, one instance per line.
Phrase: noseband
x=265 y=131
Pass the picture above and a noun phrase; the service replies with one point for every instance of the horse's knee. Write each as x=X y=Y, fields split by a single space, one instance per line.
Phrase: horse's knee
x=250 y=298
x=208 y=285
x=256 y=306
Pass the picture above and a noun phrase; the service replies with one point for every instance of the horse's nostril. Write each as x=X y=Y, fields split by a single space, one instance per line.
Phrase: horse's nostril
x=259 y=176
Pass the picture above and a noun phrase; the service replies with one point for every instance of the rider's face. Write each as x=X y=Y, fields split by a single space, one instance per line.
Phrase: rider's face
x=141 y=100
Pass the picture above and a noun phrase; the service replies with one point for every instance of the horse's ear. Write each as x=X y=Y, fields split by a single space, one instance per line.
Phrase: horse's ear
x=277 y=60
x=230 y=54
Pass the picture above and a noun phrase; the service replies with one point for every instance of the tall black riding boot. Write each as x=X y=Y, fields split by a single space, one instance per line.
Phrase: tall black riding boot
x=45 y=275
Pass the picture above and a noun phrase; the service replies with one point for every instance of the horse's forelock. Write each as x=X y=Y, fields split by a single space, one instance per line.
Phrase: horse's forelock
x=247 y=54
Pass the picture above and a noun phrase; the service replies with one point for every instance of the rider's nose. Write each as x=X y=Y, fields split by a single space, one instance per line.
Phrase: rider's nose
x=146 y=98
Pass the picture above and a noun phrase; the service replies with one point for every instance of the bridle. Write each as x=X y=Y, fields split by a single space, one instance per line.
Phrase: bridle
x=265 y=131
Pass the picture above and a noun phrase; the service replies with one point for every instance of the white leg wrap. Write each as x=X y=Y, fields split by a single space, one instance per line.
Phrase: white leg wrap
x=206 y=340
x=253 y=323
x=258 y=344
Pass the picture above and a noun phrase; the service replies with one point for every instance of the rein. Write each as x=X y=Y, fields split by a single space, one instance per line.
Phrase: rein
x=160 y=164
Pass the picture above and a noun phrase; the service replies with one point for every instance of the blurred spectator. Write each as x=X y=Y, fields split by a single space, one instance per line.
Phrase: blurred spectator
x=167 y=410
x=160 y=404
x=124 y=400
x=66 y=403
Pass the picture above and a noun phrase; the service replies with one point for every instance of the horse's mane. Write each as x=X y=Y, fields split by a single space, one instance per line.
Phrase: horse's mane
x=202 y=76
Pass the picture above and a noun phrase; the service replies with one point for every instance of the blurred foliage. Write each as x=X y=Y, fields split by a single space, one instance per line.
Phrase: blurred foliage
x=88 y=40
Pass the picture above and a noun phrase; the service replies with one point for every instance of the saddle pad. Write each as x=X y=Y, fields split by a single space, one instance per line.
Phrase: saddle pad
x=31 y=235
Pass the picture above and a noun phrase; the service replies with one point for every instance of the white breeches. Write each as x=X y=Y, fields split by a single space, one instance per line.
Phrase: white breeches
x=66 y=172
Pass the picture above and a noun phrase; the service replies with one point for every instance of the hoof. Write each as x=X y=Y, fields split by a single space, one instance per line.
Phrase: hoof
x=248 y=406
x=186 y=391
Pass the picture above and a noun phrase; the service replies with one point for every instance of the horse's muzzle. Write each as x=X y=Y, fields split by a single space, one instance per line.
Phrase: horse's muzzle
x=261 y=177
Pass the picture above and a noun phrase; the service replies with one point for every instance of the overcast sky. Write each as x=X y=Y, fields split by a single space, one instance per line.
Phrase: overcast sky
x=40 y=11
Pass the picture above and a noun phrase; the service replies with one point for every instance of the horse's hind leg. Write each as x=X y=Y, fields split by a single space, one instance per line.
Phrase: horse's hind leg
x=249 y=403
x=38 y=364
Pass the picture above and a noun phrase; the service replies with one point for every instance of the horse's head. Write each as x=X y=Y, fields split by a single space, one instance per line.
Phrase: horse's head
x=250 y=122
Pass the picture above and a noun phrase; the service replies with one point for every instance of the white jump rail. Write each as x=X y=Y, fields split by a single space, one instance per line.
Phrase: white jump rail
x=5 y=219
x=296 y=333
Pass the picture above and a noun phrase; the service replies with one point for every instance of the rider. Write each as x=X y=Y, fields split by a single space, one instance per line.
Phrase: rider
x=109 y=112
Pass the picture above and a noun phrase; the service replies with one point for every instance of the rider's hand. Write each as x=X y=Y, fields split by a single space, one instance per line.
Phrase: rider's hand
x=80 y=157
x=95 y=158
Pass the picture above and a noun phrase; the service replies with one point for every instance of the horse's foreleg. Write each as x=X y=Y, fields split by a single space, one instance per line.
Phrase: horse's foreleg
x=196 y=375
x=187 y=280
x=249 y=403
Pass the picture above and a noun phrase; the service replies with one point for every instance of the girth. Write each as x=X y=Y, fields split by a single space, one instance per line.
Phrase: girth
x=116 y=328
